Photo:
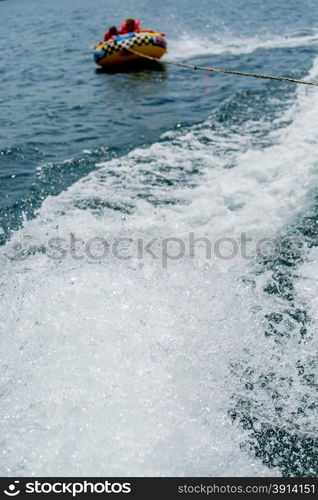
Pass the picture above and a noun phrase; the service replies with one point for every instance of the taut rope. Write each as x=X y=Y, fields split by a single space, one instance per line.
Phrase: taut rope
x=227 y=71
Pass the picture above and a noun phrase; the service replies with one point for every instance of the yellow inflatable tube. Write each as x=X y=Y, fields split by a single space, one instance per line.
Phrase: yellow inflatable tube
x=116 y=50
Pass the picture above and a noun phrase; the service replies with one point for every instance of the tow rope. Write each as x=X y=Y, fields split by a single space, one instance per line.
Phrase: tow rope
x=227 y=71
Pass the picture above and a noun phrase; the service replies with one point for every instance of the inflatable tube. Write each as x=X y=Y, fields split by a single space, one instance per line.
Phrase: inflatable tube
x=116 y=50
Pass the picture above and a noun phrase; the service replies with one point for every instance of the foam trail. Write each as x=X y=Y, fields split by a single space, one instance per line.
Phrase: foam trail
x=194 y=46
x=123 y=366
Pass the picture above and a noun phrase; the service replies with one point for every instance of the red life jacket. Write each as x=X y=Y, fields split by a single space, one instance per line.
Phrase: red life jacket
x=108 y=36
x=124 y=29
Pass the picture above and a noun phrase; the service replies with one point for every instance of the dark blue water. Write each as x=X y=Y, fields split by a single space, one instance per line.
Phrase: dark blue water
x=148 y=151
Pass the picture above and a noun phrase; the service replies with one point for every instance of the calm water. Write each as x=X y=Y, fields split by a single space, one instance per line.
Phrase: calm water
x=138 y=366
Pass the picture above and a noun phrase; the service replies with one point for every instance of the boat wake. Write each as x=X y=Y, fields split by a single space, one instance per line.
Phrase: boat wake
x=137 y=368
x=190 y=47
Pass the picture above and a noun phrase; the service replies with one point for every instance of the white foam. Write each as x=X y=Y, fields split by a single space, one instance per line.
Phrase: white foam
x=121 y=368
x=187 y=47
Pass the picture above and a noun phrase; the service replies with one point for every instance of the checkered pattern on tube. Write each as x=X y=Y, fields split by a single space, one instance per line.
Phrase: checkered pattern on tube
x=137 y=40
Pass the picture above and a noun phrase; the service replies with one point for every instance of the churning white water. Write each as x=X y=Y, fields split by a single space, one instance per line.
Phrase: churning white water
x=194 y=46
x=121 y=367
